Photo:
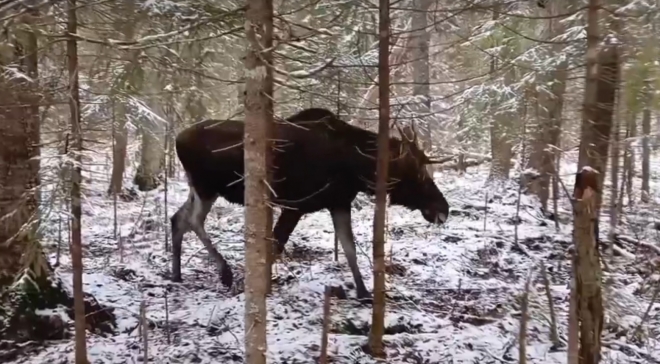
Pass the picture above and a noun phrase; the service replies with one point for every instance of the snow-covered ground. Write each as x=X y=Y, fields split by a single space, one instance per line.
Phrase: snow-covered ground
x=455 y=297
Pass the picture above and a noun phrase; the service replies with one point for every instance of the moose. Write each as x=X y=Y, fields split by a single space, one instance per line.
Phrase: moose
x=318 y=162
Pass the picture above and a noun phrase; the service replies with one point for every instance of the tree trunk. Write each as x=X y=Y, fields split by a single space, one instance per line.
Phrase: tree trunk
x=420 y=68
x=629 y=161
x=396 y=59
x=599 y=95
x=615 y=170
x=549 y=113
x=598 y=115
x=588 y=291
x=129 y=82
x=646 y=150
x=76 y=179
x=258 y=116
x=501 y=128
x=21 y=256
x=270 y=97
x=573 y=348
x=19 y=159
x=152 y=130
x=501 y=144
x=378 y=310
x=460 y=138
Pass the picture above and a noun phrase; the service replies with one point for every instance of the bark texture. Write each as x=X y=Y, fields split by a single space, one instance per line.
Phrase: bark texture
x=600 y=92
x=420 y=68
x=19 y=156
x=629 y=165
x=378 y=310
x=76 y=180
x=588 y=272
x=128 y=83
x=615 y=151
x=549 y=105
x=152 y=151
x=258 y=116
x=23 y=266
x=646 y=149
x=502 y=126
x=600 y=97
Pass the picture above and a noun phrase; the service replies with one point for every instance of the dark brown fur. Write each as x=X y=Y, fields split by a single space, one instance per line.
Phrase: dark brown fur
x=320 y=162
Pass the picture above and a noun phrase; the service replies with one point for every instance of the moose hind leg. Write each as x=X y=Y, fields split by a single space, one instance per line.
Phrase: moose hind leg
x=341 y=219
x=180 y=226
x=199 y=210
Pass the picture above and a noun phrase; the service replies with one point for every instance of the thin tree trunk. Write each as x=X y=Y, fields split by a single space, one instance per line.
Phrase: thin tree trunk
x=76 y=180
x=270 y=97
x=396 y=60
x=646 y=150
x=501 y=128
x=378 y=311
x=128 y=82
x=549 y=115
x=629 y=162
x=420 y=68
x=615 y=170
x=460 y=163
x=120 y=136
x=258 y=116
x=573 y=350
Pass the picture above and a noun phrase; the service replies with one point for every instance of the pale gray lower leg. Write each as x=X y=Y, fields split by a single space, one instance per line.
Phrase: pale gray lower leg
x=341 y=219
x=199 y=211
x=180 y=224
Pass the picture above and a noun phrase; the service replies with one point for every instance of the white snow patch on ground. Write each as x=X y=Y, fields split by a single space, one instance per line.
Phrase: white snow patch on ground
x=456 y=300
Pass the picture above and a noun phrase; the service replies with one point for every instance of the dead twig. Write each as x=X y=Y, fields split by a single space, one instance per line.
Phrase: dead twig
x=144 y=330
x=524 y=317
x=326 y=325
x=554 y=337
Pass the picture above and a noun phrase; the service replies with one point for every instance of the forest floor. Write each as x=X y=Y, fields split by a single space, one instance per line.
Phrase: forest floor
x=453 y=292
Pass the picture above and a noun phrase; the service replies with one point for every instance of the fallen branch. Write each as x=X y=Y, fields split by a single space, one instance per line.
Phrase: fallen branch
x=619 y=345
x=633 y=241
x=622 y=252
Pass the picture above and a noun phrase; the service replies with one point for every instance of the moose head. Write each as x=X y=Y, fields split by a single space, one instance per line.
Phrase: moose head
x=411 y=185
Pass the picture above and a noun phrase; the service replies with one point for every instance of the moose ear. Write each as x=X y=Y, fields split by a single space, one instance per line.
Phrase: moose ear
x=409 y=134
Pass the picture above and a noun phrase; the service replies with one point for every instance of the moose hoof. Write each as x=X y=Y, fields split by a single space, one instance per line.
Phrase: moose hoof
x=365 y=296
x=226 y=277
x=278 y=250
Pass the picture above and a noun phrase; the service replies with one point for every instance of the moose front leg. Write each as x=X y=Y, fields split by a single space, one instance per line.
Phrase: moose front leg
x=341 y=219
x=285 y=225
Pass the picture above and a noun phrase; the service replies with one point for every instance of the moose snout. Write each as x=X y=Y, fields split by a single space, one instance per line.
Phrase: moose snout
x=434 y=216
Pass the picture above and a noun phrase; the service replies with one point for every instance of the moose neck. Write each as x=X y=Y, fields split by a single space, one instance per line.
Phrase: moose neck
x=366 y=155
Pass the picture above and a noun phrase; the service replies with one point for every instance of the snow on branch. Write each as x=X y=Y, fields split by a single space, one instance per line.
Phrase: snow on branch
x=301 y=74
